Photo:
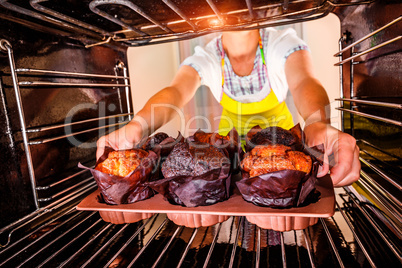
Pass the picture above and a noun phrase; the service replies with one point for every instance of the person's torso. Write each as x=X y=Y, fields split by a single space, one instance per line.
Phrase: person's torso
x=237 y=91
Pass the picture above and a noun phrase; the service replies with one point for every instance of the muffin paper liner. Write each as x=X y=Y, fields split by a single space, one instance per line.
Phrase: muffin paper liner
x=192 y=191
x=284 y=188
x=116 y=190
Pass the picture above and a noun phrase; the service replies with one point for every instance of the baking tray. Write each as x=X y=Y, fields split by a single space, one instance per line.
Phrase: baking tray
x=281 y=219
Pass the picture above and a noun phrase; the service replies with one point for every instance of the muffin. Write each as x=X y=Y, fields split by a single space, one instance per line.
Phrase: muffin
x=193 y=159
x=278 y=170
x=195 y=174
x=269 y=158
x=121 y=163
x=120 y=175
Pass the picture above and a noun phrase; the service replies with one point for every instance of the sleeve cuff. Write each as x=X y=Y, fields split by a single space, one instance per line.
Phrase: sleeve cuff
x=297 y=48
x=195 y=67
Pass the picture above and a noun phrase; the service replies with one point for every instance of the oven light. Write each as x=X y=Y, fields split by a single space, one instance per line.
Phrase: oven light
x=215 y=23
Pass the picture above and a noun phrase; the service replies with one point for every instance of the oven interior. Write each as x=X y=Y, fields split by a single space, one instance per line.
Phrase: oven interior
x=64 y=82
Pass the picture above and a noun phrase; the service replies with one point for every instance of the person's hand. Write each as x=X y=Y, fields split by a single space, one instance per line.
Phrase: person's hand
x=346 y=169
x=123 y=138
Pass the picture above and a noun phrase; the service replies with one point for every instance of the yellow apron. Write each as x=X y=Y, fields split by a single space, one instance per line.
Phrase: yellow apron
x=243 y=116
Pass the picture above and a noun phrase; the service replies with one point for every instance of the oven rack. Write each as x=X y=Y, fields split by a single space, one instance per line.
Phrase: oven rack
x=375 y=179
x=43 y=214
x=392 y=205
x=379 y=118
x=180 y=24
x=169 y=35
x=37 y=79
x=375 y=217
x=81 y=238
x=377 y=165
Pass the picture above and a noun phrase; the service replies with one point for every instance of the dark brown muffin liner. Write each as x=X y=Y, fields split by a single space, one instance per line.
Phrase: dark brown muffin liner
x=284 y=188
x=192 y=191
x=116 y=190
x=205 y=189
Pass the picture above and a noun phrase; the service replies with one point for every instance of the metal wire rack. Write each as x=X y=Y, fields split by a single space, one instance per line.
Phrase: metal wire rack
x=380 y=174
x=33 y=78
x=57 y=235
x=132 y=24
x=77 y=238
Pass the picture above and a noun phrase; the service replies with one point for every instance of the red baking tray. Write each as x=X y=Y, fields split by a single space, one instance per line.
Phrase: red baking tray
x=268 y=218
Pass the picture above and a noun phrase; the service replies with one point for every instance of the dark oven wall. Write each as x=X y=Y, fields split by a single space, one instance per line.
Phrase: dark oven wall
x=48 y=100
x=372 y=113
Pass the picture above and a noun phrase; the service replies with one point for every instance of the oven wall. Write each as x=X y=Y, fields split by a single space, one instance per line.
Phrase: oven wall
x=47 y=106
x=377 y=77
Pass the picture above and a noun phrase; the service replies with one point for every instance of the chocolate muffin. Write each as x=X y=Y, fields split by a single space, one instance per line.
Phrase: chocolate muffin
x=156 y=139
x=273 y=135
x=193 y=159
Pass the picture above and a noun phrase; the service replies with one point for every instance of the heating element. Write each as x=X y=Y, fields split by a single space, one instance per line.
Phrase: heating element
x=135 y=23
